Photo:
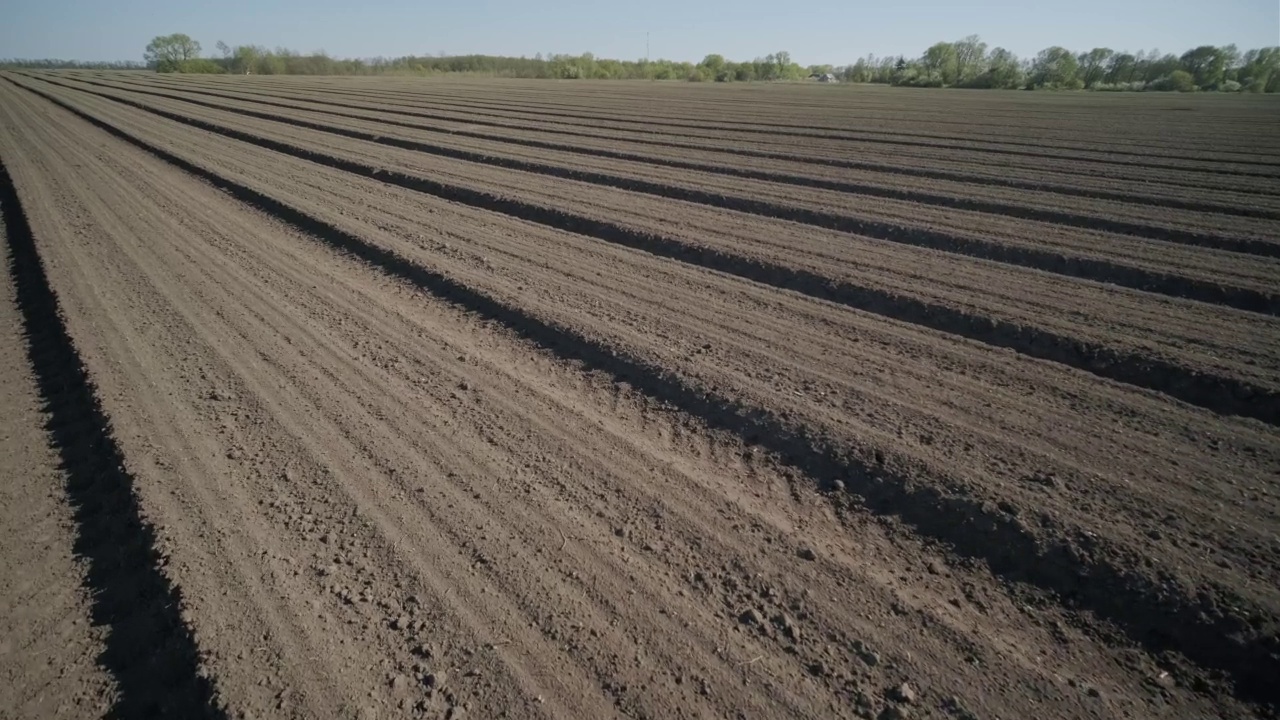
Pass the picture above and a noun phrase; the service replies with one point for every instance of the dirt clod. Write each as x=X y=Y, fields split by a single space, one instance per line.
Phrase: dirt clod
x=904 y=693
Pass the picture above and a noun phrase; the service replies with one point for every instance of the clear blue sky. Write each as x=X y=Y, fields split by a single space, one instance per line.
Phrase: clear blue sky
x=816 y=31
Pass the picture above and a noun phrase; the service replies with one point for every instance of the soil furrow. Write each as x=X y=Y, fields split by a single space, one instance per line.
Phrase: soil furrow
x=1083 y=267
x=1218 y=393
x=45 y=603
x=1265 y=169
x=588 y=118
x=1133 y=602
x=1118 y=179
x=872 y=108
x=150 y=651
x=1168 y=234
x=1041 y=135
x=343 y=377
x=419 y=435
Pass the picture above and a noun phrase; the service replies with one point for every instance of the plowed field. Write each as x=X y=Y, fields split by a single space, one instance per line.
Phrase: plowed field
x=361 y=398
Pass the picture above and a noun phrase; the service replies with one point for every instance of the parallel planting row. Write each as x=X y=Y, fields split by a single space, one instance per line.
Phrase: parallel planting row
x=1056 y=363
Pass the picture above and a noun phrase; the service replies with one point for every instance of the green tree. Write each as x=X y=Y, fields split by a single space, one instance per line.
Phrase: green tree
x=1154 y=66
x=786 y=69
x=1004 y=71
x=245 y=59
x=1206 y=65
x=166 y=52
x=940 y=63
x=964 y=63
x=607 y=70
x=1232 y=60
x=1093 y=65
x=199 y=66
x=971 y=55
x=53 y=64
x=883 y=72
x=1121 y=68
x=861 y=71
x=1182 y=81
x=908 y=72
x=1260 y=70
x=269 y=63
x=713 y=62
x=1054 y=67
x=869 y=69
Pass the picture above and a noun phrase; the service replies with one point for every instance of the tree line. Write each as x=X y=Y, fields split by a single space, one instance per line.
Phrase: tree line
x=180 y=53
x=56 y=64
x=965 y=63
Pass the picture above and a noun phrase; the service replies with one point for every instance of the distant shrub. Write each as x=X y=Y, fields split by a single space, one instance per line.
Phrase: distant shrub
x=1070 y=84
x=910 y=78
x=983 y=81
x=906 y=76
x=1008 y=78
x=566 y=71
x=1135 y=86
x=1183 y=81
x=1230 y=86
x=202 y=66
x=196 y=66
x=1176 y=81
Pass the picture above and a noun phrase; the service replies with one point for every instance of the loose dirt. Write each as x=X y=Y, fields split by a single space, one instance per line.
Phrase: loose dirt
x=416 y=435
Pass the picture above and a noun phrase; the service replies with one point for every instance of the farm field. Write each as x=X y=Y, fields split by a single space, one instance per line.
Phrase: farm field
x=388 y=397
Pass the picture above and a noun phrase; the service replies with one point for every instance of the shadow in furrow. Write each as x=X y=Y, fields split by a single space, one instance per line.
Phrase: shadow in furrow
x=149 y=651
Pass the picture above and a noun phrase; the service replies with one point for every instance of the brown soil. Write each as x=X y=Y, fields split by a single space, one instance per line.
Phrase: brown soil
x=409 y=431
x=48 y=646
